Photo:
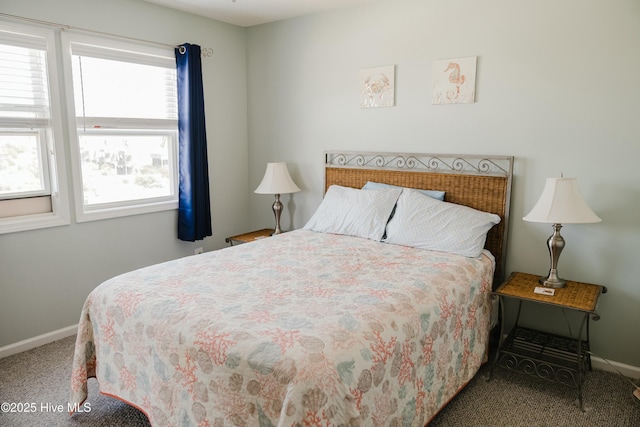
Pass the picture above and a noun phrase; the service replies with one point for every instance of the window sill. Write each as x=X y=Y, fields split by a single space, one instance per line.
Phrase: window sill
x=31 y=222
x=117 y=212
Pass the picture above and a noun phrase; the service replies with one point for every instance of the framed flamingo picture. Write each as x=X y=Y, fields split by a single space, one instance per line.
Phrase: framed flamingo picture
x=454 y=81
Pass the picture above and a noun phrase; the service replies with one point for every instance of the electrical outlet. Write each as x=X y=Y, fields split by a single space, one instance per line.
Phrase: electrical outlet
x=198 y=251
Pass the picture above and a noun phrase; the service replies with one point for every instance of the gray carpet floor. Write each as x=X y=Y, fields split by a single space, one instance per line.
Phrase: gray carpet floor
x=42 y=376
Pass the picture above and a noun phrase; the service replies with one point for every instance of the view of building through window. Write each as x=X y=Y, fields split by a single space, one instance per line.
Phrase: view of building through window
x=20 y=169
x=118 y=168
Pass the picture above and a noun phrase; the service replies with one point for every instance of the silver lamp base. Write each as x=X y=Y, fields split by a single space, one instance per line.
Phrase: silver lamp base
x=555 y=243
x=277 y=210
x=552 y=282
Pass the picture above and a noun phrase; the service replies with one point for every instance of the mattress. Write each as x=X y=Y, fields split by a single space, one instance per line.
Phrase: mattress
x=299 y=329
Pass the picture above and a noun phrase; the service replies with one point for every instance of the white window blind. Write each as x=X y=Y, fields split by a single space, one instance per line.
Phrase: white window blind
x=25 y=114
x=32 y=193
x=24 y=91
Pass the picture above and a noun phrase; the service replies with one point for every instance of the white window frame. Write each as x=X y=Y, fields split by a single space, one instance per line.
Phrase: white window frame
x=42 y=135
x=153 y=54
x=53 y=153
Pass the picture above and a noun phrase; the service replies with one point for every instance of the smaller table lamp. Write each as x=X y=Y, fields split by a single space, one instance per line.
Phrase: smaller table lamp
x=277 y=181
x=560 y=202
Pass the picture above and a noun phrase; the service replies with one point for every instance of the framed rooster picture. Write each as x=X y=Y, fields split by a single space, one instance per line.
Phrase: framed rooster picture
x=454 y=81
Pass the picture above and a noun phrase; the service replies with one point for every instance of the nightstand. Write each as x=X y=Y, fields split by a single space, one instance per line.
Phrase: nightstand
x=249 y=237
x=549 y=356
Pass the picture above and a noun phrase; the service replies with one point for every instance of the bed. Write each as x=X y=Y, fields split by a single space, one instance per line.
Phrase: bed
x=320 y=326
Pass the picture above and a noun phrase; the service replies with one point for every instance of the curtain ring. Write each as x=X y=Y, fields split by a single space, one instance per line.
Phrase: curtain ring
x=182 y=50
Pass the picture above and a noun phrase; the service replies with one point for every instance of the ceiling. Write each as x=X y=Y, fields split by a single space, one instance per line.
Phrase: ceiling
x=247 y=13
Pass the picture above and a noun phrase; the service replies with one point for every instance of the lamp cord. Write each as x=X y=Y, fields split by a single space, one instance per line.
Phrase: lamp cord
x=636 y=391
x=568 y=323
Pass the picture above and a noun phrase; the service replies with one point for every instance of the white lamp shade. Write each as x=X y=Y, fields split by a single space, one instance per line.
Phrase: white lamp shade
x=561 y=203
x=277 y=180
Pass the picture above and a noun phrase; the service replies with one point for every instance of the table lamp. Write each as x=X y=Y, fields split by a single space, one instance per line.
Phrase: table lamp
x=277 y=181
x=560 y=202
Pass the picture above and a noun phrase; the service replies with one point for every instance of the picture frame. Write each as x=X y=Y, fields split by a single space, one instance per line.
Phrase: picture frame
x=377 y=87
x=454 y=81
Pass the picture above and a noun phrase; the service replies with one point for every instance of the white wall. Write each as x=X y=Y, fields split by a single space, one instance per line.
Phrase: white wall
x=557 y=88
x=45 y=275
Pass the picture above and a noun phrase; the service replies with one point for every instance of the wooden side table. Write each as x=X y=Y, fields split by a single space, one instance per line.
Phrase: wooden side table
x=549 y=356
x=249 y=237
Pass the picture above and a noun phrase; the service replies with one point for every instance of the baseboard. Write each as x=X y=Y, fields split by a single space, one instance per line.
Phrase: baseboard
x=609 y=366
x=34 y=342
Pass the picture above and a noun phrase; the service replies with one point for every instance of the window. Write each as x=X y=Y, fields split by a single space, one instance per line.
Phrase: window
x=124 y=127
x=32 y=195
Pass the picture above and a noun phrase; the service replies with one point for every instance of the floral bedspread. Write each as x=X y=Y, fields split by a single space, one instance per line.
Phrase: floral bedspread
x=301 y=329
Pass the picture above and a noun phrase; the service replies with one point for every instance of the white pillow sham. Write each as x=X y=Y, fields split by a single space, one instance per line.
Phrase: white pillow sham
x=423 y=222
x=354 y=212
x=436 y=194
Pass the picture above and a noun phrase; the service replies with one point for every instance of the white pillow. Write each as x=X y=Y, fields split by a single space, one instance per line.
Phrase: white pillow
x=436 y=194
x=426 y=223
x=354 y=212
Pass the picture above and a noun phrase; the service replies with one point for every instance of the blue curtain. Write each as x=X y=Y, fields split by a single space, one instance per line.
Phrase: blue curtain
x=194 y=211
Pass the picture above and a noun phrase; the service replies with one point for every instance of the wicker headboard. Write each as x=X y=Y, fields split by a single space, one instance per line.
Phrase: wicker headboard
x=480 y=182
